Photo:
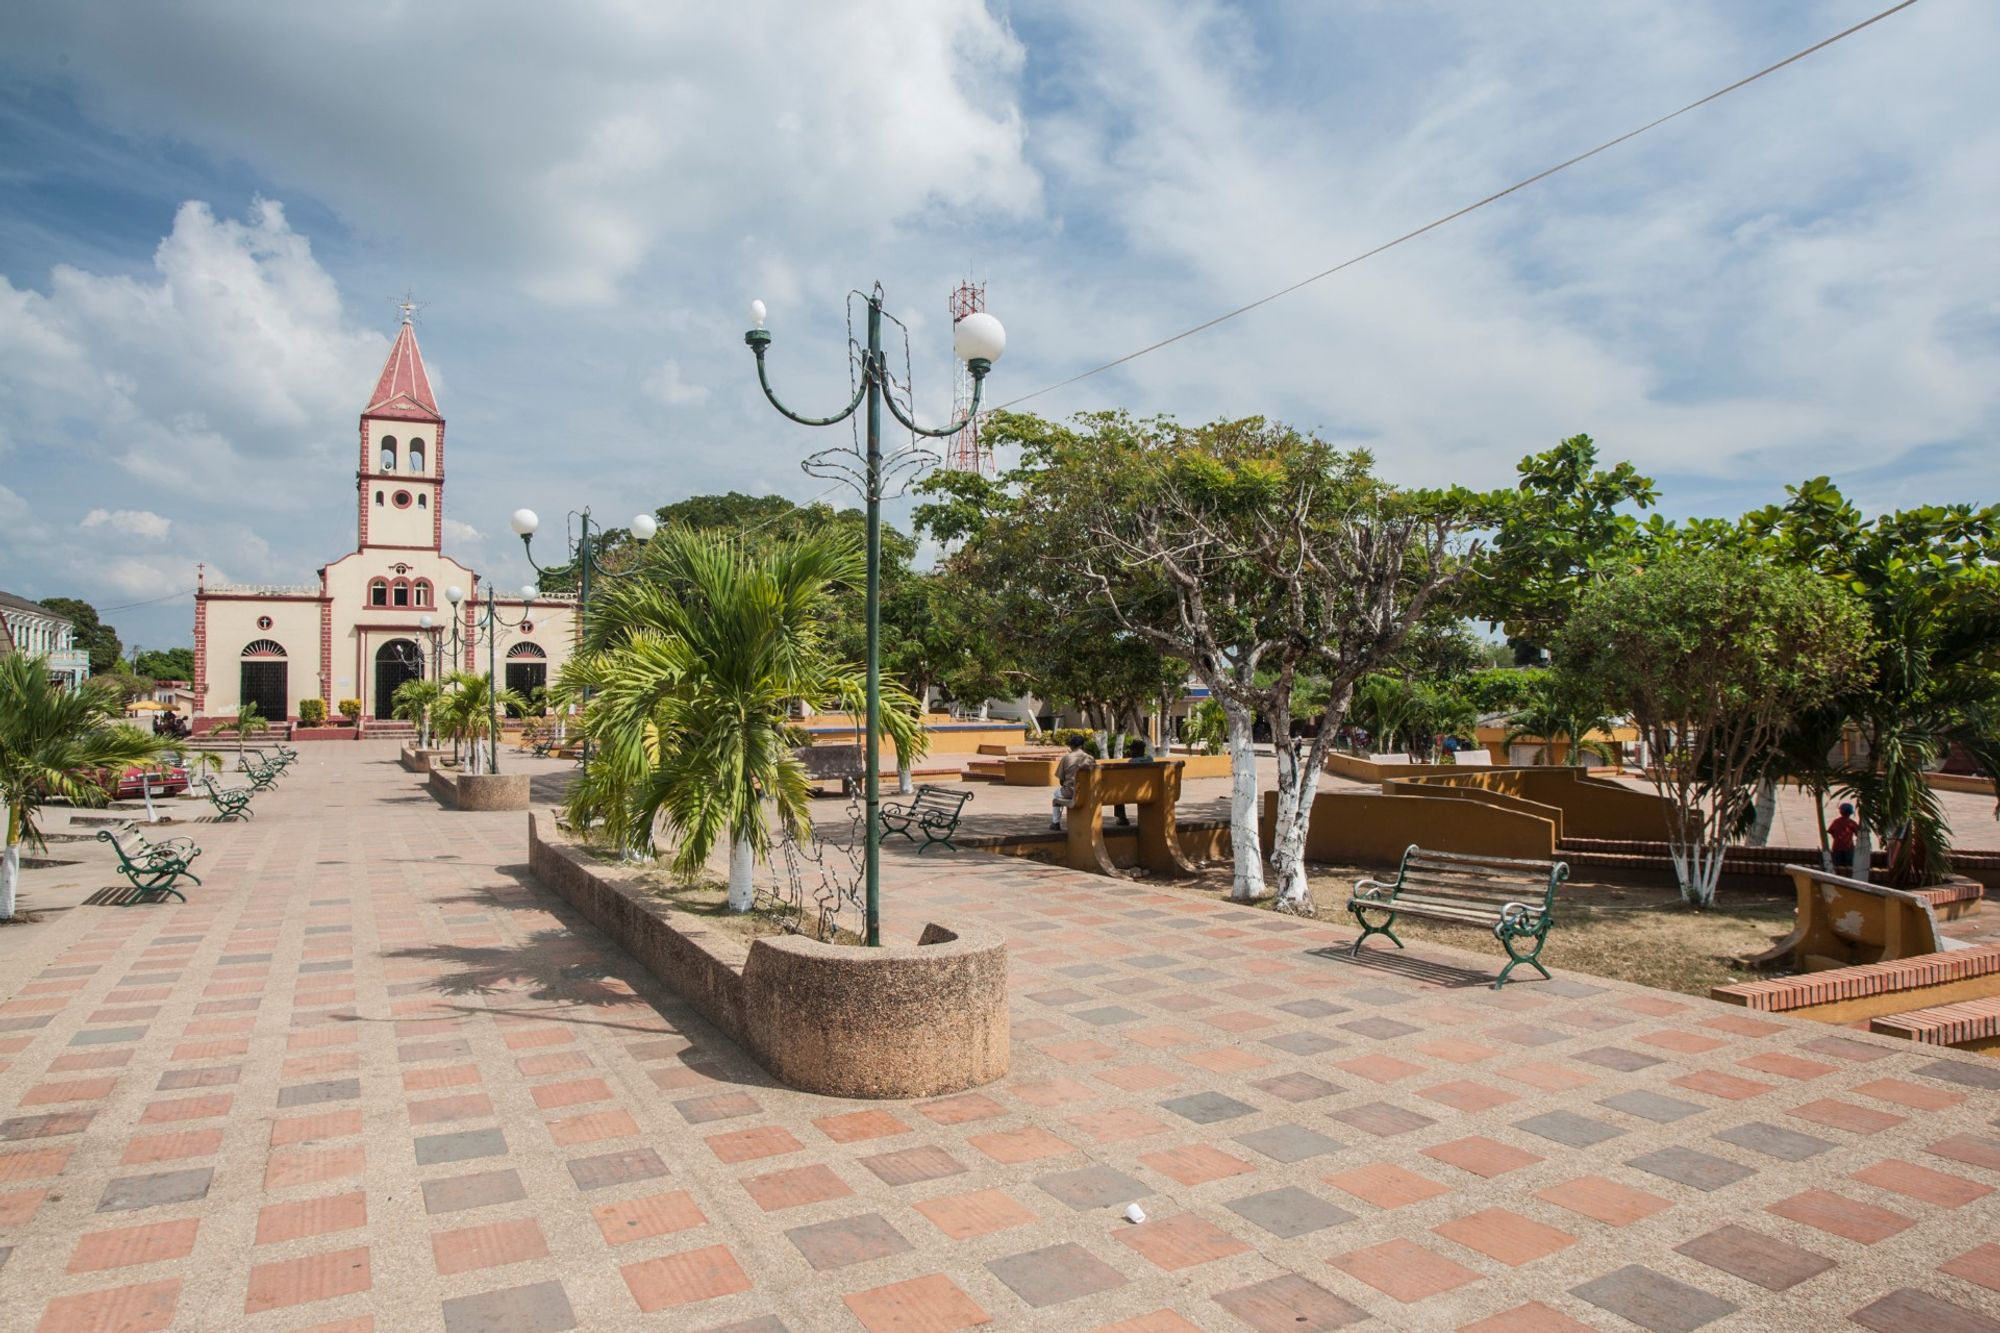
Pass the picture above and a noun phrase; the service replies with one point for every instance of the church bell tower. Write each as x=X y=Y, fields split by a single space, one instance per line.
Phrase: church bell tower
x=400 y=480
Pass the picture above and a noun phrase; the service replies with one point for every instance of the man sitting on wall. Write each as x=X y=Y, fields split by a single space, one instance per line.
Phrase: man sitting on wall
x=1067 y=768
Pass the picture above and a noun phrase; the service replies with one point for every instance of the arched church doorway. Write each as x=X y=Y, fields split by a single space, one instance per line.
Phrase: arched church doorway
x=527 y=671
x=395 y=662
x=265 y=679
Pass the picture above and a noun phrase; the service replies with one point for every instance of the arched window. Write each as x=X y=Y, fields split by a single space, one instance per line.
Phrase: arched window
x=526 y=650
x=378 y=593
x=388 y=453
x=263 y=648
x=420 y=593
x=423 y=500
x=416 y=455
x=401 y=594
x=378 y=497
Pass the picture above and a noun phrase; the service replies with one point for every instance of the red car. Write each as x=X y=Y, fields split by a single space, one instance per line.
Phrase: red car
x=132 y=783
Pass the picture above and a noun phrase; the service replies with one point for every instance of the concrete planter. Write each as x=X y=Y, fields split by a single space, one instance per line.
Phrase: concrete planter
x=419 y=760
x=480 y=791
x=900 y=1021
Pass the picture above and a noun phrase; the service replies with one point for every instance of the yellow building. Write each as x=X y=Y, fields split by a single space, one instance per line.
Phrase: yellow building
x=358 y=633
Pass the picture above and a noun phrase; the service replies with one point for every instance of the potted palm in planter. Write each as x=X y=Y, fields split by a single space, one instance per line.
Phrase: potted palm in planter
x=413 y=703
x=464 y=710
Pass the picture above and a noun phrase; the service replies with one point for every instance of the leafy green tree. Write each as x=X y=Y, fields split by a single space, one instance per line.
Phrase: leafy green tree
x=1929 y=580
x=1260 y=556
x=1049 y=629
x=92 y=635
x=1561 y=707
x=1714 y=654
x=165 y=663
x=55 y=743
x=1504 y=689
x=1567 y=528
x=694 y=668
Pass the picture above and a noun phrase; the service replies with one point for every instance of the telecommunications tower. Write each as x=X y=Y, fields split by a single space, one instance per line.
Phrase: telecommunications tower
x=964 y=451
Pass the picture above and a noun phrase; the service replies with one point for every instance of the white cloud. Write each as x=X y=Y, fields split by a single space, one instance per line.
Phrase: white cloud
x=132 y=522
x=665 y=385
x=461 y=532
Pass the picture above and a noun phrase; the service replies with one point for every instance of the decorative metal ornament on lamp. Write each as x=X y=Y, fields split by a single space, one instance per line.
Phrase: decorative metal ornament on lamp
x=978 y=340
x=494 y=624
x=525 y=521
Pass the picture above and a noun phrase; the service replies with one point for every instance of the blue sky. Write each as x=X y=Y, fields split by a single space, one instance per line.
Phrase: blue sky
x=209 y=210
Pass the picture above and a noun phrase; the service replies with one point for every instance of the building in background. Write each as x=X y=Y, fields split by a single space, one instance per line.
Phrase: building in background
x=357 y=632
x=31 y=628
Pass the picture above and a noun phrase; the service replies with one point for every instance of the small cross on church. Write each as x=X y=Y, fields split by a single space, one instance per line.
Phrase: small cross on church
x=408 y=305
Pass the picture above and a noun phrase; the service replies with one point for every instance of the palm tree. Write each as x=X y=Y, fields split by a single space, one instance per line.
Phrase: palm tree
x=1557 y=710
x=465 y=708
x=693 y=669
x=413 y=703
x=247 y=723
x=54 y=743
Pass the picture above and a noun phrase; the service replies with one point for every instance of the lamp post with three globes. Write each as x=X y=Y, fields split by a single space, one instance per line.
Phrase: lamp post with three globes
x=978 y=339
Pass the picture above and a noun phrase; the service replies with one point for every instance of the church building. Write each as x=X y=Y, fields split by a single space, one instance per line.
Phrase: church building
x=360 y=631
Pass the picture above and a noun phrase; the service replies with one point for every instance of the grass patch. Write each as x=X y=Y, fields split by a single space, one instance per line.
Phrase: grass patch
x=1643 y=935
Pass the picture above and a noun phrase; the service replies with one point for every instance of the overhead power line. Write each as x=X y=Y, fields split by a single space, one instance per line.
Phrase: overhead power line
x=1459 y=213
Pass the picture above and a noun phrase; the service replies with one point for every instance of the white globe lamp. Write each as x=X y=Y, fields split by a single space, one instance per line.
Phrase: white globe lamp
x=645 y=527
x=524 y=522
x=978 y=337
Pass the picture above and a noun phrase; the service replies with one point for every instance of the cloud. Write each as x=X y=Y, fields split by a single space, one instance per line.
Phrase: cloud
x=565 y=147
x=133 y=522
x=461 y=532
x=666 y=386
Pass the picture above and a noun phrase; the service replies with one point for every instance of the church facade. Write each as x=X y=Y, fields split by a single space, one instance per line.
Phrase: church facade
x=361 y=631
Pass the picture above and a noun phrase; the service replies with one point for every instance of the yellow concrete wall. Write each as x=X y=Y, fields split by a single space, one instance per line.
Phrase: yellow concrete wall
x=1592 y=807
x=1426 y=789
x=1364 y=828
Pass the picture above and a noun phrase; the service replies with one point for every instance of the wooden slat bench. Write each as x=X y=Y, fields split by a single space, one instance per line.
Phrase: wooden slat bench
x=840 y=763
x=933 y=810
x=1516 y=898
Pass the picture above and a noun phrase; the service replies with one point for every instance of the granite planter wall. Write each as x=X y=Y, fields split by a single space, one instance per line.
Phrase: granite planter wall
x=480 y=791
x=899 y=1021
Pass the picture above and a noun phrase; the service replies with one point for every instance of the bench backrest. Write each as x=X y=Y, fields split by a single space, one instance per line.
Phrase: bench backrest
x=937 y=798
x=1479 y=881
x=830 y=761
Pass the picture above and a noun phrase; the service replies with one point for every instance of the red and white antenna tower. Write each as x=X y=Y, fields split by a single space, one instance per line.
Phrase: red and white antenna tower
x=964 y=451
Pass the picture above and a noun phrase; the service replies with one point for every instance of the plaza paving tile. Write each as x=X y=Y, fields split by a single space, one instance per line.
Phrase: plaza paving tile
x=373 y=1077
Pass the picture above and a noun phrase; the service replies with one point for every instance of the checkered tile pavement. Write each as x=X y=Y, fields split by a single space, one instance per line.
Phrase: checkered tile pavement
x=373 y=1077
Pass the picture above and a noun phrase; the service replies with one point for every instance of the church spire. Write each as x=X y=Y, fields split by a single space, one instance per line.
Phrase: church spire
x=404 y=391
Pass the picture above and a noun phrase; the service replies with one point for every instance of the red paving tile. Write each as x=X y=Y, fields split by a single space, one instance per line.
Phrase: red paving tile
x=1506 y=1236
x=980 y=1213
x=1605 y=1200
x=1842 y=1216
x=279 y=1222
x=796 y=1187
x=139 y=1308
x=1195 y=1164
x=1387 y=1186
x=1404 y=1270
x=1534 y=1317
x=315 y=1277
x=122 y=1247
x=1179 y=1242
x=488 y=1245
x=1921 y=1182
x=859 y=1126
x=1980 y=1264
x=684 y=1278
x=1482 y=1156
x=930 y=1304
x=654 y=1215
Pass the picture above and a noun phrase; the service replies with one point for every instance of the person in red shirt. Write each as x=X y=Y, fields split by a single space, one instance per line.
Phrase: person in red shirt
x=1841 y=834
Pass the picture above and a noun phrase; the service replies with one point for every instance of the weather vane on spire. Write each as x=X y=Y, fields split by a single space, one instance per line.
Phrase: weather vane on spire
x=408 y=305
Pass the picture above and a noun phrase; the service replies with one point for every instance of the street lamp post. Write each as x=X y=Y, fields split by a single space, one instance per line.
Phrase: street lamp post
x=525 y=521
x=978 y=339
x=494 y=624
x=454 y=595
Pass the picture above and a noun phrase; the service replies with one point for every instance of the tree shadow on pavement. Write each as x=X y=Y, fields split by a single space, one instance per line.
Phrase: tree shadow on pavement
x=552 y=967
x=1409 y=966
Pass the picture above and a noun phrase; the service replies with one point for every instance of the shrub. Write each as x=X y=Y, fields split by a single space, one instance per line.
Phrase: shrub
x=350 y=709
x=312 y=712
x=1064 y=735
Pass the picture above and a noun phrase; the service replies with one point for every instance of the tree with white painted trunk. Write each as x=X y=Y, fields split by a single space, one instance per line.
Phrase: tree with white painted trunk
x=692 y=666
x=1260 y=556
x=1716 y=654
x=56 y=743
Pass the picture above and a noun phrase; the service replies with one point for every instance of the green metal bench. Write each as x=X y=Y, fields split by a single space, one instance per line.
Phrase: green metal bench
x=130 y=833
x=280 y=764
x=229 y=802
x=262 y=777
x=1516 y=898
x=153 y=874
x=933 y=810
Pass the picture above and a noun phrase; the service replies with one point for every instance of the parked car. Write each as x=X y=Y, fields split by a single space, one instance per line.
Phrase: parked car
x=131 y=784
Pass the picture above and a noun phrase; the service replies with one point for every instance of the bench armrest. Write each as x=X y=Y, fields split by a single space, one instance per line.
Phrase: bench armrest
x=1373 y=888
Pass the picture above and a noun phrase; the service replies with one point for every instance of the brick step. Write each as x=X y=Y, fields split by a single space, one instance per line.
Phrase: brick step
x=1945 y=1024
